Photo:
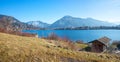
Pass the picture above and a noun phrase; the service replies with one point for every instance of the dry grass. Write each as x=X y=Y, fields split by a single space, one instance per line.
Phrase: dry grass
x=28 y=49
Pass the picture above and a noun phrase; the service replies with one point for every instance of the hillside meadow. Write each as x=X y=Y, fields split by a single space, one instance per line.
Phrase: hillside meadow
x=15 y=48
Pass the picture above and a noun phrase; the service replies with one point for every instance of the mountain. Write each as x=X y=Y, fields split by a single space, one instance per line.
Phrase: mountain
x=118 y=25
x=69 y=21
x=13 y=24
x=38 y=24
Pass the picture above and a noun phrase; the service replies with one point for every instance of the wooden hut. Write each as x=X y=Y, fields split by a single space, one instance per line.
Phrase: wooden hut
x=100 y=45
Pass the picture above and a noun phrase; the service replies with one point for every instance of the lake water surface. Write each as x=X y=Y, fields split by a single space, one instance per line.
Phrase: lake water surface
x=85 y=35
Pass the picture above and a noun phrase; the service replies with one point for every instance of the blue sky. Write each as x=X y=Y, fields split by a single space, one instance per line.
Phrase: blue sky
x=51 y=10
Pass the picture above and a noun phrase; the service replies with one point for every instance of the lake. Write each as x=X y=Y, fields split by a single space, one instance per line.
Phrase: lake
x=85 y=35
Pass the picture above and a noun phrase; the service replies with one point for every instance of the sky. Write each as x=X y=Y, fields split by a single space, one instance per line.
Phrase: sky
x=50 y=11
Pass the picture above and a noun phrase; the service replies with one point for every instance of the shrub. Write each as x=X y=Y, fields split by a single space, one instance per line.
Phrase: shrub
x=80 y=41
x=52 y=36
x=17 y=33
x=61 y=42
x=115 y=42
x=88 y=49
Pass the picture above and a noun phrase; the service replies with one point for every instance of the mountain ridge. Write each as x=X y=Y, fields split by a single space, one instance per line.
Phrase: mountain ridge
x=38 y=24
x=9 y=22
x=69 y=21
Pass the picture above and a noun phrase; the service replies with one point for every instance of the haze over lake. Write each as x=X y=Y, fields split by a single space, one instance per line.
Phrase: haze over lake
x=85 y=35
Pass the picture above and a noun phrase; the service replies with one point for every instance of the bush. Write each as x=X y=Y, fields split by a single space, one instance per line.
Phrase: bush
x=115 y=42
x=88 y=49
x=61 y=42
x=17 y=33
x=79 y=41
x=52 y=36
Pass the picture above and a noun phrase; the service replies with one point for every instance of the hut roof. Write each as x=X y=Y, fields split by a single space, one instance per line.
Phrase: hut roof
x=104 y=40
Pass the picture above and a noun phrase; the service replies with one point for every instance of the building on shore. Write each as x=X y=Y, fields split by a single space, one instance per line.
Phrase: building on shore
x=100 y=45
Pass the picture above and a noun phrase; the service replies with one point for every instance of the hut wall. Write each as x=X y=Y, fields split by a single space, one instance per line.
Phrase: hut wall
x=97 y=47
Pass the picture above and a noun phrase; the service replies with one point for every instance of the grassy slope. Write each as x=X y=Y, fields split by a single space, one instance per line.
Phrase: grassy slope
x=28 y=49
